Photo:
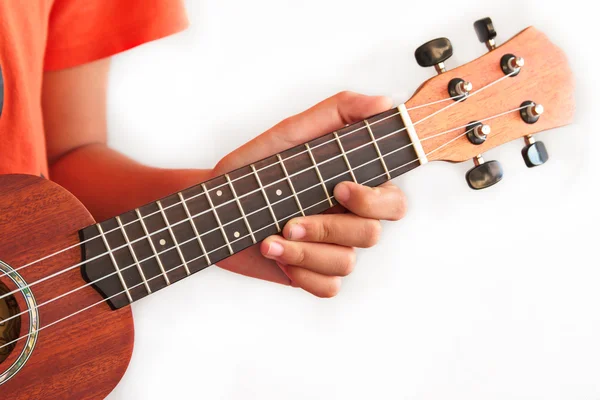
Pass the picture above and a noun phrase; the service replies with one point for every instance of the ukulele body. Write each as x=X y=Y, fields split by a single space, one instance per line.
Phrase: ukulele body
x=84 y=356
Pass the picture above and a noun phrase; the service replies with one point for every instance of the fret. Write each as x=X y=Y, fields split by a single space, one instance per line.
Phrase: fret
x=287 y=176
x=112 y=257
x=310 y=181
x=233 y=225
x=377 y=149
x=316 y=205
x=209 y=222
x=180 y=246
x=193 y=224
x=214 y=210
x=253 y=204
x=278 y=191
x=332 y=168
x=162 y=212
x=262 y=189
x=360 y=152
x=232 y=214
x=350 y=169
x=160 y=264
x=237 y=200
x=200 y=207
x=395 y=146
x=133 y=255
x=312 y=158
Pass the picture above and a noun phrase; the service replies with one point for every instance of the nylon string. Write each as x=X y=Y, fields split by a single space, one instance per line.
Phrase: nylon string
x=230 y=201
x=260 y=229
x=271 y=165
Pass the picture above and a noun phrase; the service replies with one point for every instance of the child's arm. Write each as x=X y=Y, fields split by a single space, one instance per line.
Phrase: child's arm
x=108 y=183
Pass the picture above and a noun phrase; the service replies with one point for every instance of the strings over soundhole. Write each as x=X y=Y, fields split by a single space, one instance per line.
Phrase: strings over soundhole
x=10 y=325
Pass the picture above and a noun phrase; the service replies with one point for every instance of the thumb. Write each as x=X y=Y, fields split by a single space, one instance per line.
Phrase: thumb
x=327 y=116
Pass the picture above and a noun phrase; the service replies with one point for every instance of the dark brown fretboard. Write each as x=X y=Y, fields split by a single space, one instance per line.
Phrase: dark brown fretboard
x=142 y=251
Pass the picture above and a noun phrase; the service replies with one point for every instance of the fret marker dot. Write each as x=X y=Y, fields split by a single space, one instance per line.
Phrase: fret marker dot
x=162 y=242
x=219 y=193
x=236 y=234
x=278 y=192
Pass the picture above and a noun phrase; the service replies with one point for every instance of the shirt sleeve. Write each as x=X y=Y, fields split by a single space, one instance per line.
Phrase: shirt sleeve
x=81 y=31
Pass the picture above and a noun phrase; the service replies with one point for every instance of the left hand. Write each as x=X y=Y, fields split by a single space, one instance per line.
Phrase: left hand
x=316 y=251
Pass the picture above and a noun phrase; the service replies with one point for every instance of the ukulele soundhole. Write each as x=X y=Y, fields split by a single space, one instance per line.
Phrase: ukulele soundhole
x=19 y=322
x=10 y=322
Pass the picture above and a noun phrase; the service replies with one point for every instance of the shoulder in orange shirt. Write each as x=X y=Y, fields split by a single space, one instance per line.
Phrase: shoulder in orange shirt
x=43 y=35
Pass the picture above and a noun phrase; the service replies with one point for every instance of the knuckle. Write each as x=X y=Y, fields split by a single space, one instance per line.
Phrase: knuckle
x=367 y=200
x=286 y=131
x=399 y=207
x=222 y=164
x=348 y=263
x=331 y=289
x=373 y=232
x=286 y=122
x=283 y=125
x=343 y=95
x=324 y=232
x=300 y=256
x=372 y=198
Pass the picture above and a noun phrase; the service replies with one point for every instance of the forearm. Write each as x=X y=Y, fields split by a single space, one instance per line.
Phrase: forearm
x=108 y=183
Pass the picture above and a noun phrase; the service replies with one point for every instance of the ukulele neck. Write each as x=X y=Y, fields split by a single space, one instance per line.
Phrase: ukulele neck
x=144 y=250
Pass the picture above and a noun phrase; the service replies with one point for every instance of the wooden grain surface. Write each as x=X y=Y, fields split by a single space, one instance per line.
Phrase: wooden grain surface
x=85 y=356
x=545 y=79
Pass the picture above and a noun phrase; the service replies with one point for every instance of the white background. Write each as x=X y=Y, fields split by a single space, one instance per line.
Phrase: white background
x=474 y=295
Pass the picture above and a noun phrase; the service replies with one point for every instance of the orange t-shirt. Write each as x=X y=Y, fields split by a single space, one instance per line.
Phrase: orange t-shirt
x=43 y=35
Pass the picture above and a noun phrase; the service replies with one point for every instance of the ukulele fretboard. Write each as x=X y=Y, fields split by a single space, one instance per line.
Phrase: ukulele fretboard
x=144 y=250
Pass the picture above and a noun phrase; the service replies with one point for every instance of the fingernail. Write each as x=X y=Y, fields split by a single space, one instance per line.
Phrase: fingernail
x=342 y=192
x=297 y=232
x=275 y=249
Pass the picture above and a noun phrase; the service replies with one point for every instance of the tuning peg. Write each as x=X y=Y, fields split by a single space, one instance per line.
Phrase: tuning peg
x=459 y=89
x=486 y=33
x=477 y=132
x=434 y=53
x=484 y=174
x=534 y=153
x=531 y=111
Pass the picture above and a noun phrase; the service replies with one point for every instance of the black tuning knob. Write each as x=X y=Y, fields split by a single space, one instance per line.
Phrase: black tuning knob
x=484 y=174
x=434 y=53
x=486 y=33
x=534 y=153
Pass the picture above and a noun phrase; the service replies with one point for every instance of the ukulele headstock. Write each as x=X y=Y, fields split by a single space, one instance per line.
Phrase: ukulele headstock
x=527 y=68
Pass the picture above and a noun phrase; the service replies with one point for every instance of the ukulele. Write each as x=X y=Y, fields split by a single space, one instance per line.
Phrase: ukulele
x=67 y=282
